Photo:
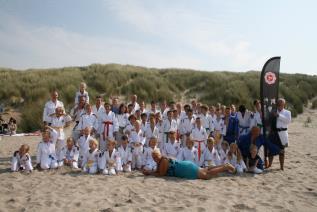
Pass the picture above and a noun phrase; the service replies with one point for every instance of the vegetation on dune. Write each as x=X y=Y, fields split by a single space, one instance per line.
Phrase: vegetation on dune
x=28 y=91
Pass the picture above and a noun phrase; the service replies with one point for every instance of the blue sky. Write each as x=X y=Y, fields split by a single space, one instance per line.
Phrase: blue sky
x=205 y=35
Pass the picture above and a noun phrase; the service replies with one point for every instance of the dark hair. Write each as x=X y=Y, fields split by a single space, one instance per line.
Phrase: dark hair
x=125 y=108
x=124 y=137
x=242 y=108
x=143 y=114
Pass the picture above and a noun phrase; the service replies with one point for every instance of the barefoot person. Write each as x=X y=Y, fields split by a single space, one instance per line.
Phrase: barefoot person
x=280 y=134
x=184 y=169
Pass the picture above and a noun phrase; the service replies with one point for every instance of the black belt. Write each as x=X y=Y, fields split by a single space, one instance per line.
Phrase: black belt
x=281 y=129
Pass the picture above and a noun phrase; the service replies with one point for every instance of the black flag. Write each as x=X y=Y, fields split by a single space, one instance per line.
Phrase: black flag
x=269 y=95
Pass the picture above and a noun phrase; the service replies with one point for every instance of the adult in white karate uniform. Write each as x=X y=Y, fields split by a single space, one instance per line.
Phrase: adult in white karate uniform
x=88 y=119
x=50 y=107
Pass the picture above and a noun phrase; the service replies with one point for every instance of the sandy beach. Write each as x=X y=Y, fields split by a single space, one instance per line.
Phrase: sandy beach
x=294 y=189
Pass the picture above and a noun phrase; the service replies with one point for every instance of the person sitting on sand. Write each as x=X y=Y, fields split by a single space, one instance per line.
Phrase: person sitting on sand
x=184 y=169
x=21 y=160
x=69 y=154
x=90 y=161
x=253 y=161
x=46 y=155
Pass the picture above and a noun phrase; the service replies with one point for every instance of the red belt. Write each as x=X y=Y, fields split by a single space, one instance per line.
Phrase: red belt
x=106 y=127
x=199 y=148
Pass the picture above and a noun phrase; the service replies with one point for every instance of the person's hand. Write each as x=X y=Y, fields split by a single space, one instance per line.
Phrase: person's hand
x=146 y=172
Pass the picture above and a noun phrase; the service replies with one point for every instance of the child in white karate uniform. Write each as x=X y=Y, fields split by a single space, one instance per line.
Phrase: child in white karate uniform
x=110 y=162
x=70 y=154
x=235 y=158
x=91 y=157
x=148 y=163
x=189 y=152
x=21 y=160
x=207 y=160
x=218 y=154
x=125 y=154
x=46 y=154
x=172 y=148
x=82 y=93
x=83 y=144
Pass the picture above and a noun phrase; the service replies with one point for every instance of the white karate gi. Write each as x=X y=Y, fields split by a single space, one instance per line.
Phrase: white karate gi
x=90 y=161
x=21 y=162
x=137 y=142
x=167 y=126
x=219 y=125
x=78 y=95
x=218 y=156
x=88 y=120
x=240 y=166
x=49 y=109
x=110 y=163
x=108 y=125
x=149 y=133
x=126 y=158
x=71 y=154
x=199 y=136
x=283 y=120
x=148 y=162
x=171 y=150
x=46 y=153
x=244 y=122
x=189 y=154
x=98 y=111
x=207 y=160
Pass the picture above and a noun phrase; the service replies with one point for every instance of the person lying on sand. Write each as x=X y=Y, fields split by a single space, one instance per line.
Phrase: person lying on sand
x=184 y=169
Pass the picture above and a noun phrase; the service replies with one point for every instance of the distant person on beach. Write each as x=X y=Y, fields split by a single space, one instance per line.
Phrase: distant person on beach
x=279 y=136
x=12 y=125
x=184 y=169
x=82 y=93
x=50 y=107
x=135 y=105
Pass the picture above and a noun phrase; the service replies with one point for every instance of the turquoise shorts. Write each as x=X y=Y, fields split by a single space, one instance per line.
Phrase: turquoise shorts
x=183 y=169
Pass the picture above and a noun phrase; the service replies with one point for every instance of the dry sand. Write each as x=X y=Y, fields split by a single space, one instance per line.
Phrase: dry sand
x=294 y=189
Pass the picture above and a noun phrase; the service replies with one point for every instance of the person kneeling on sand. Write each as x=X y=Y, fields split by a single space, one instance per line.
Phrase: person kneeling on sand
x=253 y=161
x=21 y=160
x=184 y=169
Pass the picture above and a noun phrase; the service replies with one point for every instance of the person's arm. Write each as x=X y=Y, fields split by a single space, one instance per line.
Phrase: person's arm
x=285 y=118
x=162 y=169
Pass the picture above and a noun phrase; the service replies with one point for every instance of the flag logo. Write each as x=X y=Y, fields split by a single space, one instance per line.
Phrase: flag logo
x=270 y=78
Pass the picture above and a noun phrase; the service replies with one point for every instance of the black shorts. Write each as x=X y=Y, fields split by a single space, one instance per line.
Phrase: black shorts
x=275 y=139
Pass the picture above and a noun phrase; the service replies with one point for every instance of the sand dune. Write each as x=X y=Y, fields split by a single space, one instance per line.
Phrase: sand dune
x=295 y=189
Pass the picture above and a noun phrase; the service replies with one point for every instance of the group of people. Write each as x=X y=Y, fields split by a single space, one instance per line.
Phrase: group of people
x=8 y=128
x=191 y=141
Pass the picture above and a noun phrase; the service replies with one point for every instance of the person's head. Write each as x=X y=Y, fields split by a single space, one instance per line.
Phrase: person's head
x=210 y=143
x=82 y=87
x=143 y=117
x=132 y=119
x=227 y=111
x=175 y=114
x=98 y=101
x=179 y=107
x=225 y=145
x=54 y=96
x=87 y=131
x=172 y=105
x=233 y=108
x=189 y=142
x=114 y=101
x=172 y=135
x=69 y=143
x=125 y=141
x=212 y=109
x=123 y=109
x=152 y=142
x=130 y=108
x=158 y=117
x=134 y=98
x=198 y=122
x=186 y=108
x=257 y=105
x=107 y=107
x=255 y=131
x=111 y=145
x=46 y=135
x=142 y=105
x=253 y=150
x=163 y=105
x=204 y=109
x=156 y=155
x=218 y=137
x=152 y=118
x=190 y=113
x=169 y=114
x=24 y=148
x=137 y=125
x=242 y=109
x=138 y=114
x=59 y=111
x=218 y=112
x=93 y=144
x=281 y=104
x=194 y=104
x=153 y=105
x=234 y=150
x=88 y=109
x=82 y=101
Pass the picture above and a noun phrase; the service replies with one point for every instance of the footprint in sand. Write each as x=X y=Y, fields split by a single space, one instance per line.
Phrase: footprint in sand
x=243 y=207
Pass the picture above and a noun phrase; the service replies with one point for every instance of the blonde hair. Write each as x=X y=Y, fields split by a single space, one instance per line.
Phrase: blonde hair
x=237 y=152
x=70 y=139
x=93 y=140
x=112 y=142
x=156 y=152
x=25 y=147
x=84 y=85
